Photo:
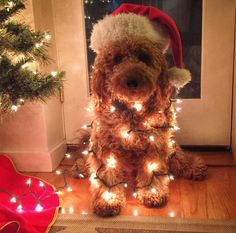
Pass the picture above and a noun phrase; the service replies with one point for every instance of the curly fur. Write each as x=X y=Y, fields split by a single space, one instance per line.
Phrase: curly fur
x=126 y=71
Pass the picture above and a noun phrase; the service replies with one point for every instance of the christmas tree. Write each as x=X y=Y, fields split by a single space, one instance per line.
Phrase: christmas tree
x=21 y=50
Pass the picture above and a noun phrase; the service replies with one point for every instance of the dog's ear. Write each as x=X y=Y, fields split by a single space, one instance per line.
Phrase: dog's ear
x=97 y=84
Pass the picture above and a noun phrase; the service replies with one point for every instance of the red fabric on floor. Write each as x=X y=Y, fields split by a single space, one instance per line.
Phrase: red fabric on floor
x=29 y=220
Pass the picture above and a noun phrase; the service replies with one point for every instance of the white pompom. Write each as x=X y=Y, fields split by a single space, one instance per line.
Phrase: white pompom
x=179 y=77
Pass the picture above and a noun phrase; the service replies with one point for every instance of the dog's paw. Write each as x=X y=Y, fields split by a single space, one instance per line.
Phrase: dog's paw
x=106 y=209
x=152 y=199
x=106 y=206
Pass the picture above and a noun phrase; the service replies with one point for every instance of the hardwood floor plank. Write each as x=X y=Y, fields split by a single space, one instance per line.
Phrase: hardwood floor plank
x=213 y=198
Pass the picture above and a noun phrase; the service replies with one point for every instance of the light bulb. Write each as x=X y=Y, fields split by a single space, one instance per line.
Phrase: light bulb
x=37 y=45
x=47 y=37
x=38 y=208
x=138 y=106
x=19 y=208
x=54 y=73
x=81 y=175
x=111 y=162
x=69 y=189
x=28 y=182
x=21 y=100
x=63 y=211
x=135 y=213
x=84 y=127
x=124 y=134
x=172 y=214
x=153 y=190
x=14 y=108
x=58 y=172
x=176 y=128
x=93 y=179
x=152 y=167
x=125 y=185
x=135 y=194
x=85 y=152
x=178 y=109
x=68 y=156
x=84 y=212
x=112 y=108
x=171 y=177
x=13 y=199
x=41 y=184
x=71 y=210
x=178 y=101
x=107 y=196
x=151 y=137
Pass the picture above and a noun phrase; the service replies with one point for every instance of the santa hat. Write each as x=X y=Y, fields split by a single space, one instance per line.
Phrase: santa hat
x=130 y=20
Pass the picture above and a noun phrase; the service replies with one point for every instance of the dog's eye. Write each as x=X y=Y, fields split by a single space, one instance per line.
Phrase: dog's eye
x=117 y=59
x=144 y=57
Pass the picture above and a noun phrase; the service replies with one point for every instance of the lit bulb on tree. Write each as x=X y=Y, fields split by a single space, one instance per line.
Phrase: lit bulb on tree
x=112 y=108
x=13 y=200
x=151 y=137
x=107 y=196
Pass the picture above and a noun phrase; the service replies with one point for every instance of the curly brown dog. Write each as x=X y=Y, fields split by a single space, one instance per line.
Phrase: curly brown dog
x=132 y=135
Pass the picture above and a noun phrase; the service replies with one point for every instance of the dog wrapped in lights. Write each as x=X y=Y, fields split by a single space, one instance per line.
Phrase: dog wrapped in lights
x=132 y=143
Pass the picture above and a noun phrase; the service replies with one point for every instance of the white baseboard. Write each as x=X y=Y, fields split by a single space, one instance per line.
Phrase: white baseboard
x=38 y=161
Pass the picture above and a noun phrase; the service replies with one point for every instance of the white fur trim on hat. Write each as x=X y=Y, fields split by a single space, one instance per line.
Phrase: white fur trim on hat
x=179 y=77
x=121 y=26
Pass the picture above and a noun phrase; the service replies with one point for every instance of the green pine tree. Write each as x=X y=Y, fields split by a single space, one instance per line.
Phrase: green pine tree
x=20 y=48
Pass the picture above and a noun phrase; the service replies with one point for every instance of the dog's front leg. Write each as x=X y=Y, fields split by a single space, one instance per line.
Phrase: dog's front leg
x=108 y=188
x=152 y=182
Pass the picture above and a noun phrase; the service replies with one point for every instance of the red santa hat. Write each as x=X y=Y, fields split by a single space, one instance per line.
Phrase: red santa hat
x=130 y=20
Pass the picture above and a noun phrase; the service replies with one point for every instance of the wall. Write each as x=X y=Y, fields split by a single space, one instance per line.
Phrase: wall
x=71 y=51
x=33 y=137
x=234 y=101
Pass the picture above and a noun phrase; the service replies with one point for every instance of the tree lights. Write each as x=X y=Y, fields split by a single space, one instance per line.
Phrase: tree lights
x=20 y=49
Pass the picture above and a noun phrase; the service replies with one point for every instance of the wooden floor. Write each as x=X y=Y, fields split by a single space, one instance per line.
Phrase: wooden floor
x=214 y=198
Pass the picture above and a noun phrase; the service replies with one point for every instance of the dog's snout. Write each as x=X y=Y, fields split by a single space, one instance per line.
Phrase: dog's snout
x=132 y=83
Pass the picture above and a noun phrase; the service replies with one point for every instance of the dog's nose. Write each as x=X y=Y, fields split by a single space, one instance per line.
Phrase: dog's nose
x=132 y=83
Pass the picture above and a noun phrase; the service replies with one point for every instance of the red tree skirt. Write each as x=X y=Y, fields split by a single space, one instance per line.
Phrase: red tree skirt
x=18 y=191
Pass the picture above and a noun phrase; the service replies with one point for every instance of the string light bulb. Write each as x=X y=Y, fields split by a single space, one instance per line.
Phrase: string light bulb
x=93 y=179
x=135 y=194
x=175 y=128
x=71 y=210
x=19 y=208
x=58 y=172
x=81 y=175
x=107 y=196
x=111 y=162
x=38 y=208
x=178 y=109
x=69 y=189
x=125 y=185
x=13 y=199
x=178 y=101
x=14 y=108
x=47 y=37
x=138 y=106
x=68 y=156
x=171 y=177
x=135 y=213
x=28 y=182
x=85 y=152
x=112 y=108
x=54 y=73
x=124 y=134
x=41 y=184
x=151 y=138
x=153 y=190
x=152 y=167
x=172 y=214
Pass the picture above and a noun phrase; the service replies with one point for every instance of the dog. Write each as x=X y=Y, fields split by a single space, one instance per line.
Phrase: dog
x=132 y=143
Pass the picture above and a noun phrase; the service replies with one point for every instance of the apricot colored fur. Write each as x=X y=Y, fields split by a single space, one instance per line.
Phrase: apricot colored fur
x=142 y=60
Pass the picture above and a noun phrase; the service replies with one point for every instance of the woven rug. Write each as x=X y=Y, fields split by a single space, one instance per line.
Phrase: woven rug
x=128 y=224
